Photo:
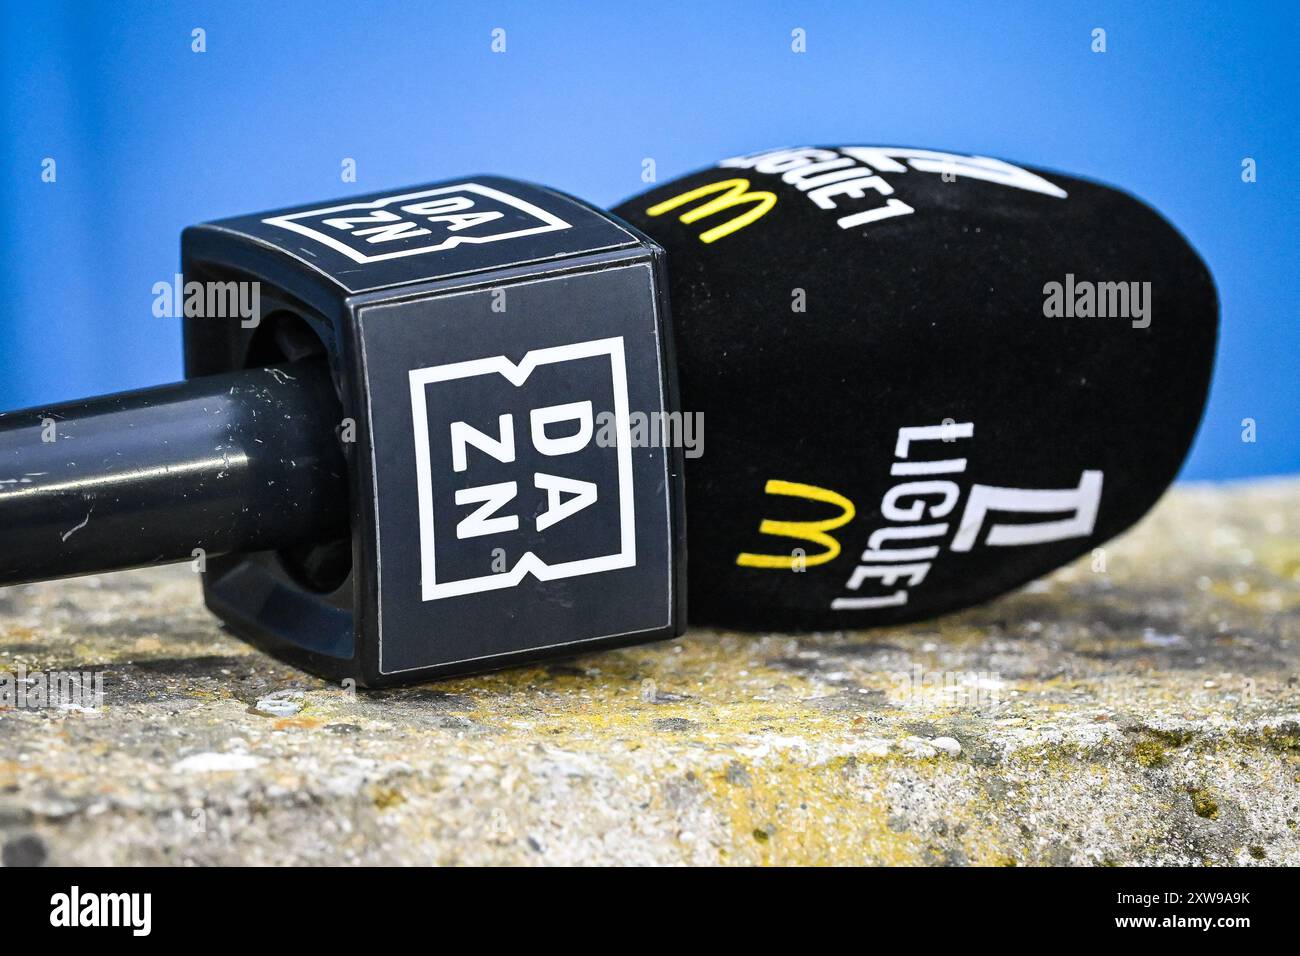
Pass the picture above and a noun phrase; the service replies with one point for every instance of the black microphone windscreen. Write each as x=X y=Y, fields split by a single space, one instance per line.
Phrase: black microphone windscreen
x=925 y=378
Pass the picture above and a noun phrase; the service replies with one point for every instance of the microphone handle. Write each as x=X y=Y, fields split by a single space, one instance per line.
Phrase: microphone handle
x=245 y=461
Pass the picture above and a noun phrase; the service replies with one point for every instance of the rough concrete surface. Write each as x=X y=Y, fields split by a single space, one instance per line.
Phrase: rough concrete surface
x=1144 y=713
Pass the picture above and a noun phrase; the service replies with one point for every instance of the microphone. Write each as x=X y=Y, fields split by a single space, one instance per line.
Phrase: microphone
x=926 y=378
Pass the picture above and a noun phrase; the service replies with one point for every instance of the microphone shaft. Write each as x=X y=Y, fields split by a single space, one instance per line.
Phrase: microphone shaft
x=246 y=461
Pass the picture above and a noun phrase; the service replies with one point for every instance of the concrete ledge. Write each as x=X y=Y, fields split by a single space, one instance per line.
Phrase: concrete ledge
x=1147 y=713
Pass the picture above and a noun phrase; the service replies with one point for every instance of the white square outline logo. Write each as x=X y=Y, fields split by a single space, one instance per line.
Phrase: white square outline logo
x=529 y=563
x=550 y=222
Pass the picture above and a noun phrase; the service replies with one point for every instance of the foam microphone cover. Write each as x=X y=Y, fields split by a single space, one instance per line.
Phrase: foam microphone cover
x=925 y=378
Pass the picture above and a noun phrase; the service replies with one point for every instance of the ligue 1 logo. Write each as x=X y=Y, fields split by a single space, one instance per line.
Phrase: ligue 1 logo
x=514 y=479
x=412 y=224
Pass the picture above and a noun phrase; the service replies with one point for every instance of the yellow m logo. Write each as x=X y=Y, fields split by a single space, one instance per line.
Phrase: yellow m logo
x=735 y=192
x=813 y=531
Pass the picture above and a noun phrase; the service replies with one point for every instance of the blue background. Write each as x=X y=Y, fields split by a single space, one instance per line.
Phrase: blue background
x=150 y=136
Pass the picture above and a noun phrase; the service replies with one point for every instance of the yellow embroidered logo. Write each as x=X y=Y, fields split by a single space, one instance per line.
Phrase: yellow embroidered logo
x=735 y=192
x=812 y=531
